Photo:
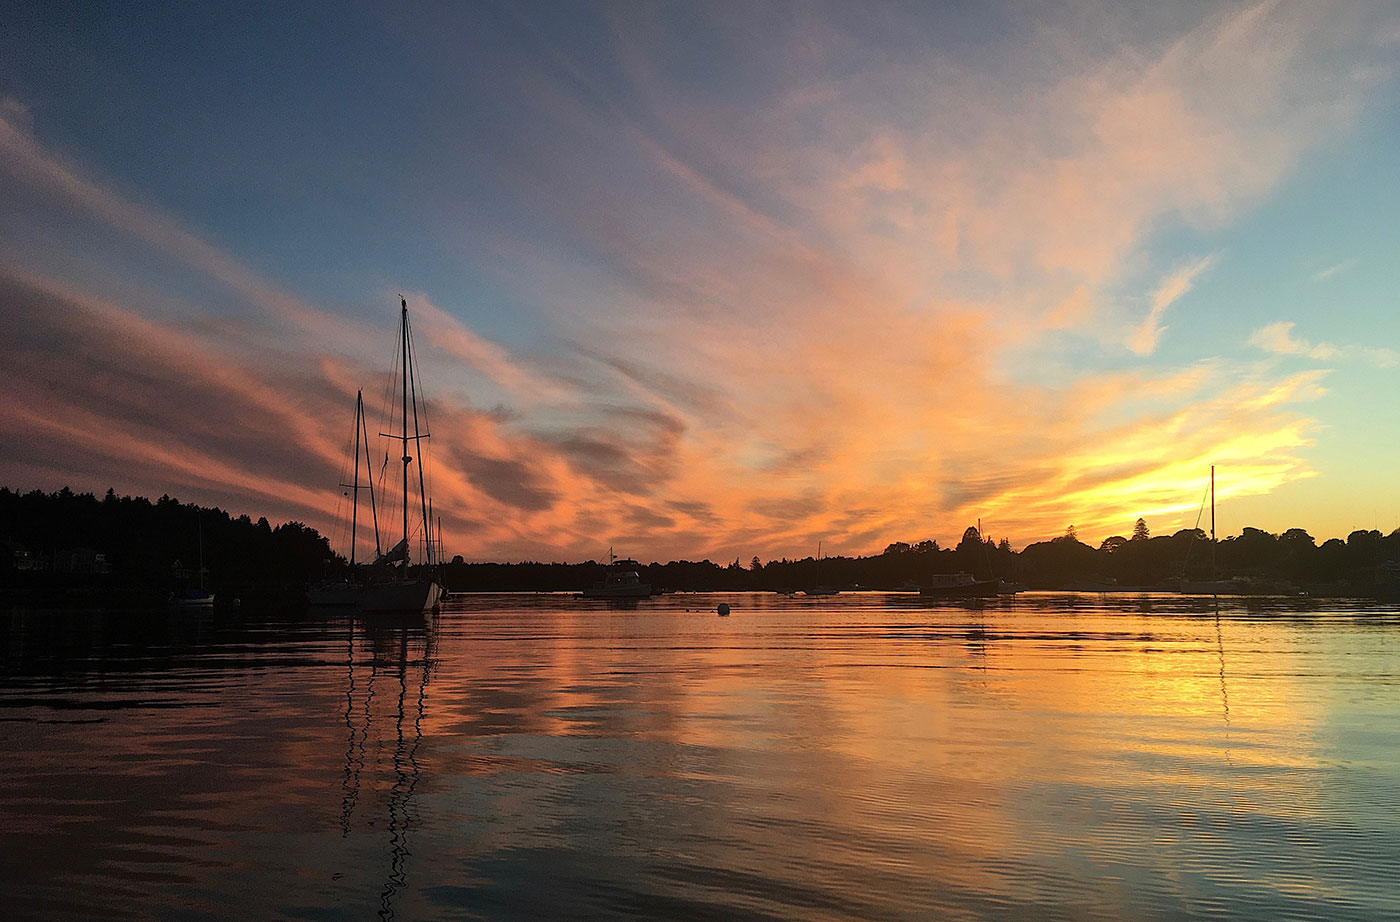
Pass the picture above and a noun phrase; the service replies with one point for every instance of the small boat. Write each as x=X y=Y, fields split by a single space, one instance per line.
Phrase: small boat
x=405 y=595
x=621 y=581
x=1237 y=585
x=819 y=589
x=960 y=586
x=192 y=596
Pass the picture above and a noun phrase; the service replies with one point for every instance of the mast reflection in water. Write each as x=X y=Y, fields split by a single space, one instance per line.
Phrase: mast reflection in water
x=401 y=648
x=852 y=757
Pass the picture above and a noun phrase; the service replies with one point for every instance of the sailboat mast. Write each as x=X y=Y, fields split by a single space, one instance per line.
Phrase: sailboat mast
x=355 y=501
x=403 y=324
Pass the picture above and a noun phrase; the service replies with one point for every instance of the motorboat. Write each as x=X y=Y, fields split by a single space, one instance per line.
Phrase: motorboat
x=621 y=581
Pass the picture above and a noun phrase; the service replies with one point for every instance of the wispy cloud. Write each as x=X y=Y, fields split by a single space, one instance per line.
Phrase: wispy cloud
x=1178 y=283
x=772 y=316
x=1278 y=338
x=1333 y=270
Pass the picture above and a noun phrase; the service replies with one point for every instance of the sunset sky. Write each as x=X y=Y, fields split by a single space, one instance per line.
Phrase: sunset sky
x=712 y=280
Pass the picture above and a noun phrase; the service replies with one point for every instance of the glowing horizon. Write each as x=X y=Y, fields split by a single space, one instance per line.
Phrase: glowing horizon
x=715 y=283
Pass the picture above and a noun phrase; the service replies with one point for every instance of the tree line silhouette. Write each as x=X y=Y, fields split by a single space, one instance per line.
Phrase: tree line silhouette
x=133 y=549
x=120 y=544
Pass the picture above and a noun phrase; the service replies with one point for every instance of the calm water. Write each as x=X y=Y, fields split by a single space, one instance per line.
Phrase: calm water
x=860 y=757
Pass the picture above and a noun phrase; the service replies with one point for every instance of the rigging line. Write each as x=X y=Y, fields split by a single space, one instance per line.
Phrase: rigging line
x=369 y=470
x=386 y=420
x=1192 y=543
x=427 y=424
x=340 y=518
x=422 y=486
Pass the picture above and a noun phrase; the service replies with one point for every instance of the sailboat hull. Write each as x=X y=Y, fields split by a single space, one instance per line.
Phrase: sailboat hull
x=335 y=595
x=413 y=596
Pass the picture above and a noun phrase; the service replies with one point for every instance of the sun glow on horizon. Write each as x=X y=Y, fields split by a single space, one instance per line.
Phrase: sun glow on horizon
x=834 y=283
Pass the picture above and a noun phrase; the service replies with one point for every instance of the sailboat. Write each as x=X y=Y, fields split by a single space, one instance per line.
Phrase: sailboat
x=1211 y=586
x=819 y=589
x=1236 y=585
x=347 y=593
x=405 y=595
x=189 y=596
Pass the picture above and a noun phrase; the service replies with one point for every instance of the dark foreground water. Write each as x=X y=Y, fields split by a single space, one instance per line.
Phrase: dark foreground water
x=861 y=757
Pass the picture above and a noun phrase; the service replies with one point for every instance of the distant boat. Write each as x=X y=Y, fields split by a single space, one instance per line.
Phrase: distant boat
x=622 y=580
x=1238 y=585
x=960 y=586
x=348 y=593
x=405 y=595
x=191 y=596
x=819 y=589
x=1215 y=585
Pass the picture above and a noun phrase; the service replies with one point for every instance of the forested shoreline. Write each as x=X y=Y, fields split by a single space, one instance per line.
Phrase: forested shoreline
x=140 y=548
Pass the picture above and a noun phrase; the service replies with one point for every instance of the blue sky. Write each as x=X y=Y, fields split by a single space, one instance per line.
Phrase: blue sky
x=705 y=280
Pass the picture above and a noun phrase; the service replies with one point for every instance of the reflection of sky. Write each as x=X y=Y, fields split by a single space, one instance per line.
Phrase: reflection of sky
x=711 y=282
x=792 y=762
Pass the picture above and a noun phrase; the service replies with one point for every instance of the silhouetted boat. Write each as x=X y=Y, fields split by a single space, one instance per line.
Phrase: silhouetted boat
x=621 y=581
x=405 y=595
x=1237 y=585
x=819 y=589
x=195 y=596
x=960 y=586
x=192 y=597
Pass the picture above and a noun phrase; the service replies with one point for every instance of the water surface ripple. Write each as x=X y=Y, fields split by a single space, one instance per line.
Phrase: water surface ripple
x=862 y=756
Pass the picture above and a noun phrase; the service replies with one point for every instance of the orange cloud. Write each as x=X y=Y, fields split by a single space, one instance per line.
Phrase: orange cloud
x=823 y=317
